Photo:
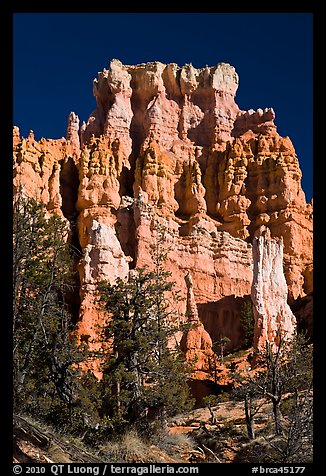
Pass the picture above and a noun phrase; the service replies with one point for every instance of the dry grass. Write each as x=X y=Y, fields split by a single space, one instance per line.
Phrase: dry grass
x=175 y=441
x=171 y=448
x=129 y=449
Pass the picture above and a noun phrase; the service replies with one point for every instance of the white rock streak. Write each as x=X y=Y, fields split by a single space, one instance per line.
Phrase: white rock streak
x=104 y=258
x=273 y=316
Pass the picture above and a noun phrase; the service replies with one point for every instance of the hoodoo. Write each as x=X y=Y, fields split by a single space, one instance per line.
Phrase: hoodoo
x=169 y=145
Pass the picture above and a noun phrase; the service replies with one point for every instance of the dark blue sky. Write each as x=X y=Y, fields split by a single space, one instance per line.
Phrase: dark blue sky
x=57 y=56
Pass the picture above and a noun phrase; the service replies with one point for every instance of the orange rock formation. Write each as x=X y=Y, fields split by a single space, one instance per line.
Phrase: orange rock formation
x=168 y=145
x=196 y=343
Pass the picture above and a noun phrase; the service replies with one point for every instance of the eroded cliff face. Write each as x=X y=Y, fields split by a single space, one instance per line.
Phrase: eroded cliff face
x=47 y=170
x=168 y=145
x=180 y=107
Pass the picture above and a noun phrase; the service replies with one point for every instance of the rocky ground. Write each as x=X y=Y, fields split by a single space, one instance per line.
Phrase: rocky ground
x=34 y=443
x=214 y=434
x=202 y=435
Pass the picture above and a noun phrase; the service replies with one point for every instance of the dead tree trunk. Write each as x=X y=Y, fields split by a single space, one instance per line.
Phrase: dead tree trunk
x=249 y=417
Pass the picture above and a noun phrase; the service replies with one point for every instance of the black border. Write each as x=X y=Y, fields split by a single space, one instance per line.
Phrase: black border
x=6 y=116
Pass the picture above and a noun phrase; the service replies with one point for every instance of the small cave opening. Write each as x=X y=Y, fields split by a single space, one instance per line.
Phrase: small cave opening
x=222 y=319
x=126 y=181
x=126 y=233
x=302 y=308
x=137 y=130
x=69 y=184
x=200 y=389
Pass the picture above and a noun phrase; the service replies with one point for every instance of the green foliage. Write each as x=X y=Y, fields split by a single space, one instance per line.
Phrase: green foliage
x=218 y=347
x=238 y=353
x=45 y=353
x=143 y=377
x=298 y=365
x=287 y=406
x=211 y=400
x=223 y=397
x=247 y=323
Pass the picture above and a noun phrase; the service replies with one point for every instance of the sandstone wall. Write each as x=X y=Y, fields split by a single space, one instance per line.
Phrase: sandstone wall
x=168 y=145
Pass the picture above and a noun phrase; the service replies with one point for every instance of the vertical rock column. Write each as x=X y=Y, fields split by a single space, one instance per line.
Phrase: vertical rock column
x=274 y=319
x=72 y=133
x=196 y=343
x=98 y=199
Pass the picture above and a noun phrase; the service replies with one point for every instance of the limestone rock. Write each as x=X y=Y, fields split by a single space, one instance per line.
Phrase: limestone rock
x=155 y=175
x=16 y=136
x=259 y=177
x=196 y=343
x=180 y=106
x=189 y=190
x=243 y=174
x=274 y=320
x=260 y=121
x=220 y=264
x=168 y=145
x=39 y=167
x=100 y=165
x=72 y=133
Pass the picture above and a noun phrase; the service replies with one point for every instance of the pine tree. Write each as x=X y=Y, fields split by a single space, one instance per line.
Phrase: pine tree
x=247 y=323
x=144 y=377
x=45 y=353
